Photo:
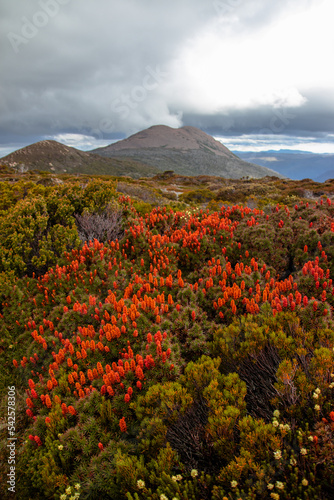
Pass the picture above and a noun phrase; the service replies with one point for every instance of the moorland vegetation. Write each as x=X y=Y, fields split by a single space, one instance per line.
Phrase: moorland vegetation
x=176 y=349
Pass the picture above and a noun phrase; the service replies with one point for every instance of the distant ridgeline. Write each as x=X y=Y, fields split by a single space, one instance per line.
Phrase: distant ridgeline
x=187 y=151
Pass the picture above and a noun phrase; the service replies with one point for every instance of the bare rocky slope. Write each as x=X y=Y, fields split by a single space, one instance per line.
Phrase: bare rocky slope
x=186 y=151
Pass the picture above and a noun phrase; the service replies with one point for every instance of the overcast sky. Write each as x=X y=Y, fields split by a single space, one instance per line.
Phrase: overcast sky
x=257 y=74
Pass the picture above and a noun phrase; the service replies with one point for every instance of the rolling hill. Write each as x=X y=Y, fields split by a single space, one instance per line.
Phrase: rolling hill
x=51 y=156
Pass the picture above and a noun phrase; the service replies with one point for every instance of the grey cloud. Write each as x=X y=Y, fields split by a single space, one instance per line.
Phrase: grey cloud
x=315 y=117
x=86 y=56
x=89 y=67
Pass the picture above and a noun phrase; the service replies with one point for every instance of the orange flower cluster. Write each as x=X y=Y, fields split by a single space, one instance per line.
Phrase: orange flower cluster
x=276 y=293
x=35 y=439
x=140 y=281
x=122 y=425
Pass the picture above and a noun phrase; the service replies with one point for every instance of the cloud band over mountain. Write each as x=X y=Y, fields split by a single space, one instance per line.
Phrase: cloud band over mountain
x=106 y=70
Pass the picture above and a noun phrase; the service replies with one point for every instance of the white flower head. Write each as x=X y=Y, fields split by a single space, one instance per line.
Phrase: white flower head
x=270 y=486
x=140 y=484
x=317 y=407
x=303 y=451
x=278 y=454
x=60 y=447
x=279 y=485
x=234 y=484
x=276 y=413
x=194 y=473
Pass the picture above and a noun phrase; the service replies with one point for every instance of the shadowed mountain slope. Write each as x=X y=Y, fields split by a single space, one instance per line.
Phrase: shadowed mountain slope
x=187 y=151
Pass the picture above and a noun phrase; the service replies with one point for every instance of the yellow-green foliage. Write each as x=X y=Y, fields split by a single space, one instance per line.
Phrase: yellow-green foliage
x=37 y=223
x=197 y=196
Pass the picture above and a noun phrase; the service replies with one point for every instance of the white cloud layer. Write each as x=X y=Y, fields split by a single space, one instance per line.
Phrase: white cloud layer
x=222 y=69
x=264 y=142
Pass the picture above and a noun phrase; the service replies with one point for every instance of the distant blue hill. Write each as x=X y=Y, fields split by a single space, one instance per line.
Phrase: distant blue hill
x=293 y=164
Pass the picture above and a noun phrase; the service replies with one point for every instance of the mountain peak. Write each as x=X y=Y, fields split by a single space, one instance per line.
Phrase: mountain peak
x=161 y=136
x=186 y=150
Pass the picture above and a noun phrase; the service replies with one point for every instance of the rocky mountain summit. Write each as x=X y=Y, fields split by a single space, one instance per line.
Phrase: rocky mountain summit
x=186 y=151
